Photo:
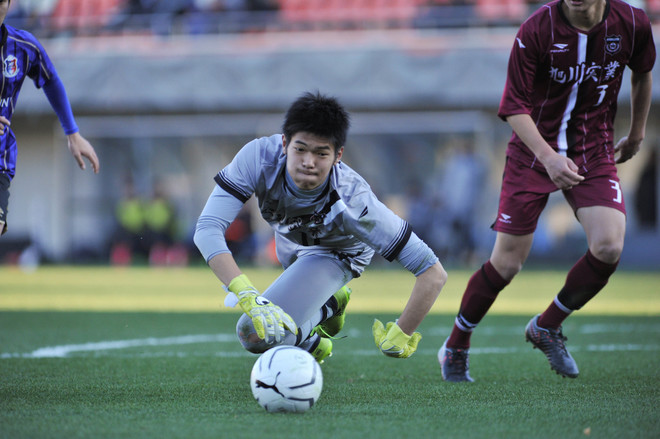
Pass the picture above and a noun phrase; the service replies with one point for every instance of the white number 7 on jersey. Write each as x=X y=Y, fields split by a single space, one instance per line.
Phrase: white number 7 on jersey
x=601 y=95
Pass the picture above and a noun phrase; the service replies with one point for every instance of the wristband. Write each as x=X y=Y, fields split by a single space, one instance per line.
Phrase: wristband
x=240 y=283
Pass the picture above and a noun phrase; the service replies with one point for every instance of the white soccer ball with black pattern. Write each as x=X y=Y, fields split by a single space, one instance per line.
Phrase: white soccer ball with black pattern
x=286 y=379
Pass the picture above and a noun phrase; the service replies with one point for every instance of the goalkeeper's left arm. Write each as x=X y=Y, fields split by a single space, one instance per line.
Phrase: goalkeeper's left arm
x=399 y=339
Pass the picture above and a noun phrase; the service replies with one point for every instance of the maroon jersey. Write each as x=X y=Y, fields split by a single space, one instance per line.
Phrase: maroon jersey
x=568 y=80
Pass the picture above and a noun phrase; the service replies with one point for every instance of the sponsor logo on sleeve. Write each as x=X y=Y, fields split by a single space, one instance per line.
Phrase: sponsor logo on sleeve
x=504 y=218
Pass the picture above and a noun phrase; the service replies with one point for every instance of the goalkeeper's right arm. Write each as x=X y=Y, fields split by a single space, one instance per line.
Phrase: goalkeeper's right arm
x=221 y=209
x=268 y=319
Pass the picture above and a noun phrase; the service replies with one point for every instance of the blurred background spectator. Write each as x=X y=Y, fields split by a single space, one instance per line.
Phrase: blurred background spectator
x=646 y=194
x=146 y=229
x=457 y=187
x=128 y=238
x=240 y=236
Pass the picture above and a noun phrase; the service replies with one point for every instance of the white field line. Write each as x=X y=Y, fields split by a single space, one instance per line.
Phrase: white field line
x=55 y=352
x=104 y=348
x=64 y=350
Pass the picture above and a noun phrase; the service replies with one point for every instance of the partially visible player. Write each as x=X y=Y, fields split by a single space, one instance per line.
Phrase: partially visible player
x=23 y=56
x=560 y=98
x=328 y=225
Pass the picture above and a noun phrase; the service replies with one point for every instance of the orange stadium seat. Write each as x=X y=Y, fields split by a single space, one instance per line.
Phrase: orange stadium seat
x=394 y=11
x=351 y=13
x=501 y=10
x=296 y=10
x=653 y=10
x=82 y=16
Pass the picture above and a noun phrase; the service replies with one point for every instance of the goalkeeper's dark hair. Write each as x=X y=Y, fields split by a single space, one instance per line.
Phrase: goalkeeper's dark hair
x=317 y=114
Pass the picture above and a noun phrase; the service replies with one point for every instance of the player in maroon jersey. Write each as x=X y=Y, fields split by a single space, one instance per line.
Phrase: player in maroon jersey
x=560 y=98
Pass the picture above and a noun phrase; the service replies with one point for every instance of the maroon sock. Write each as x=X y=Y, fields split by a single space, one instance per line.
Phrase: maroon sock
x=553 y=316
x=480 y=293
x=587 y=277
x=459 y=339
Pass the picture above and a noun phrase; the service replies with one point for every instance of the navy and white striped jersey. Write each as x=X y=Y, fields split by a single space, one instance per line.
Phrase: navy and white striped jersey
x=342 y=216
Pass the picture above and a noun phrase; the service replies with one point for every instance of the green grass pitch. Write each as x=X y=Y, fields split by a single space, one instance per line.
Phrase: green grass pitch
x=151 y=353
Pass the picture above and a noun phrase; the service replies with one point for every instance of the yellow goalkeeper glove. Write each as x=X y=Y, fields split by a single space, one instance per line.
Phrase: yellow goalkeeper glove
x=393 y=342
x=269 y=320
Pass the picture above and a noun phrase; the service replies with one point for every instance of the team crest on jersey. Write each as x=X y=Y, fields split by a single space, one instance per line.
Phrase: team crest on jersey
x=612 y=44
x=10 y=66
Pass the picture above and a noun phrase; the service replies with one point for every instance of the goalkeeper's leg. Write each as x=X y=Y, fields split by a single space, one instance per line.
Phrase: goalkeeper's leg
x=334 y=313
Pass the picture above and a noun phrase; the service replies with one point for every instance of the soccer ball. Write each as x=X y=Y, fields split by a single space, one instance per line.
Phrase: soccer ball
x=286 y=379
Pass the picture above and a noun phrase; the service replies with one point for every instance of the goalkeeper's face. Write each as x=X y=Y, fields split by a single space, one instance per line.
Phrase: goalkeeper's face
x=309 y=159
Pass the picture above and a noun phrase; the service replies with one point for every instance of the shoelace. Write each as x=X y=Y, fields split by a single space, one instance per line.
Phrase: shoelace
x=556 y=337
x=458 y=357
x=320 y=331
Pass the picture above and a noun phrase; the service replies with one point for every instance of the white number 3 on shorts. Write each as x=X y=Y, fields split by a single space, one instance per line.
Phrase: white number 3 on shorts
x=617 y=189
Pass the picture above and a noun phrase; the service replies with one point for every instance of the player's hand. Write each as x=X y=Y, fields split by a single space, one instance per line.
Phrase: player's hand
x=269 y=320
x=4 y=123
x=625 y=149
x=562 y=171
x=393 y=342
x=80 y=147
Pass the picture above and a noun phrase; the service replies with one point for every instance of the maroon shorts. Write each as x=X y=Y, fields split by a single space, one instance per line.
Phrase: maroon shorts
x=525 y=193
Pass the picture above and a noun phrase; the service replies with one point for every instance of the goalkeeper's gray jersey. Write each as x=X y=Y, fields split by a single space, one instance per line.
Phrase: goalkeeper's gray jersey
x=342 y=216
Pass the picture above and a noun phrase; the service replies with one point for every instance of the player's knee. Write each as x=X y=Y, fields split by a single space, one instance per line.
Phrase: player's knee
x=608 y=251
x=507 y=267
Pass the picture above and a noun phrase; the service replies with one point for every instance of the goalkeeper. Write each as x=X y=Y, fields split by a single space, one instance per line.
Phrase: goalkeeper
x=328 y=224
